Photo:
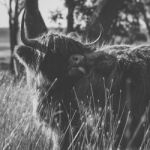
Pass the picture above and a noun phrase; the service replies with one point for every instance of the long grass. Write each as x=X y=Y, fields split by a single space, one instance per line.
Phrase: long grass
x=20 y=130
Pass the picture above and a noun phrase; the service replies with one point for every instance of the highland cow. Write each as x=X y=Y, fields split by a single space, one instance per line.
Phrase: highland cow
x=56 y=63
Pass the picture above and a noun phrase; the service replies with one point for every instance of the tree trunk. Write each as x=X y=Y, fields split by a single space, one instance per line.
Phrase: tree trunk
x=13 y=40
x=70 y=17
x=13 y=27
x=70 y=20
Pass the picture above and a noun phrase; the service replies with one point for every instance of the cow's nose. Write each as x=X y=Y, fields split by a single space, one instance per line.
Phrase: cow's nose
x=77 y=59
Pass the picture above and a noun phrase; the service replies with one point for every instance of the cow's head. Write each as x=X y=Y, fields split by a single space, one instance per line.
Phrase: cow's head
x=52 y=56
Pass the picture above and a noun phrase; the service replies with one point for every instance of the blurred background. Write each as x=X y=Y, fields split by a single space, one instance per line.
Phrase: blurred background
x=120 y=21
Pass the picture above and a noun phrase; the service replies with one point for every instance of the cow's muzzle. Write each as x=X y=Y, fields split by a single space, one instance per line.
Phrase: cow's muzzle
x=77 y=65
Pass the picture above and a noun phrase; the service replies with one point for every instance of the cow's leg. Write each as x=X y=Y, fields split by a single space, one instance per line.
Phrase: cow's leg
x=68 y=116
x=138 y=124
x=138 y=108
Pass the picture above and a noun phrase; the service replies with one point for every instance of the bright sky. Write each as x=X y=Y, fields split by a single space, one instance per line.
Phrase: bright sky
x=45 y=7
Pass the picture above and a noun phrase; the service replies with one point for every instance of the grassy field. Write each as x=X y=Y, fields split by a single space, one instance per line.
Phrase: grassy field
x=20 y=130
x=4 y=49
x=17 y=126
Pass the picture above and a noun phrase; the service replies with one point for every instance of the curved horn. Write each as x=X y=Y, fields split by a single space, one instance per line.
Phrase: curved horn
x=95 y=41
x=34 y=43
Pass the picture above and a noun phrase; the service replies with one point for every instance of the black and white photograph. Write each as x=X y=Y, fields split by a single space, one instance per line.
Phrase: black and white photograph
x=74 y=74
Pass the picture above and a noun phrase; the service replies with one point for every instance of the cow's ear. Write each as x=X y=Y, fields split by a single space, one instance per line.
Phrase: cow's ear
x=27 y=56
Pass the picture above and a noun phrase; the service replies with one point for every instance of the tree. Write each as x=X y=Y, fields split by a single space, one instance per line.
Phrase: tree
x=14 y=8
x=119 y=18
x=78 y=12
